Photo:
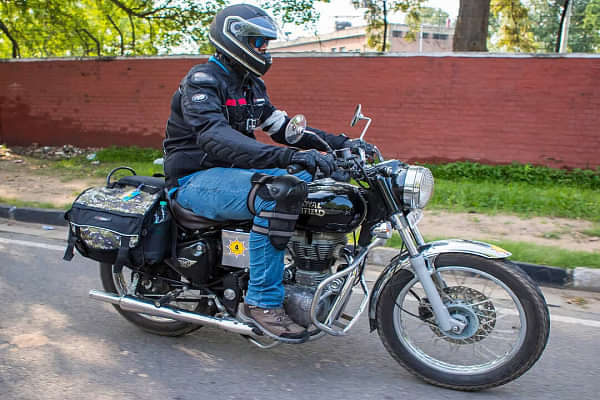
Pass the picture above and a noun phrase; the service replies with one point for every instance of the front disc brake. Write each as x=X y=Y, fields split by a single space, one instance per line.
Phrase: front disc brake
x=467 y=305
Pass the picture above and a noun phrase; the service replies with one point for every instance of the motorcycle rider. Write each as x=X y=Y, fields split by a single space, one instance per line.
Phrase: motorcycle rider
x=216 y=168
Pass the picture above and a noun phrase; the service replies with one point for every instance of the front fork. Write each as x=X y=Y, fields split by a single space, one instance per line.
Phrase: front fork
x=413 y=240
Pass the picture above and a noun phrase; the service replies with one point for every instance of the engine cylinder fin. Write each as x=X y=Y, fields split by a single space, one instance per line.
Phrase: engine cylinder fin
x=318 y=253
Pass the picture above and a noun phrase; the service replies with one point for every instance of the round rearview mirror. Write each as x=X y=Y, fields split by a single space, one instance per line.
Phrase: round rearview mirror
x=295 y=129
x=357 y=115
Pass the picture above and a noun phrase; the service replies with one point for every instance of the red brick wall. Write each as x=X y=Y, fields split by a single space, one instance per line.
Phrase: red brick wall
x=540 y=110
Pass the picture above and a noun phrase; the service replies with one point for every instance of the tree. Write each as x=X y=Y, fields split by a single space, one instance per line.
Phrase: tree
x=507 y=20
x=591 y=24
x=471 y=29
x=47 y=28
x=434 y=16
x=515 y=26
x=546 y=15
x=376 y=16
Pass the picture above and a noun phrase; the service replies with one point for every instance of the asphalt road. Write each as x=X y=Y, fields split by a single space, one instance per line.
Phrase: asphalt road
x=55 y=343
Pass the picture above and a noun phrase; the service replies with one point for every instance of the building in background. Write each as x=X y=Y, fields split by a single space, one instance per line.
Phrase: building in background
x=346 y=38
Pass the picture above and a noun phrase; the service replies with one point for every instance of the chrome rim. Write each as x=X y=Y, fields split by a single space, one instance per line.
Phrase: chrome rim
x=496 y=322
x=122 y=281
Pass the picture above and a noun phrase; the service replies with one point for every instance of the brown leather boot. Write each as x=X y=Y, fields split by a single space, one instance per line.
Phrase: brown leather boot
x=275 y=321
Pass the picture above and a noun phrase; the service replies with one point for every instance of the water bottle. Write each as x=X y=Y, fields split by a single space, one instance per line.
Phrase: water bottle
x=162 y=213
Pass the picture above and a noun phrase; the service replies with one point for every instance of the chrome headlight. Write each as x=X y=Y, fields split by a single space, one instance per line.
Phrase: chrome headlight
x=414 y=186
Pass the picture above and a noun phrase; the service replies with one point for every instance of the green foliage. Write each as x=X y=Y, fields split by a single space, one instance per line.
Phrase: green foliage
x=584 y=27
x=293 y=11
x=433 y=16
x=549 y=255
x=376 y=14
x=518 y=198
x=33 y=204
x=138 y=158
x=595 y=231
x=128 y=154
x=79 y=167
x=56 y=28
x=45 y=28
x=514 y=34
x=591 y=24
x=525 y=173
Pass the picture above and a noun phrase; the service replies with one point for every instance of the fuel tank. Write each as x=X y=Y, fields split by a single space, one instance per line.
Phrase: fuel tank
x=332 y=207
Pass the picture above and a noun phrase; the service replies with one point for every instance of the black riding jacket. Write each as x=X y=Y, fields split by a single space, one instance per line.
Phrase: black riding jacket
x=213 y=117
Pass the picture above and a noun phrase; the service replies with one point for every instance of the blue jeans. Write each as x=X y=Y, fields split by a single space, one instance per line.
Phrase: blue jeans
x=220 y=194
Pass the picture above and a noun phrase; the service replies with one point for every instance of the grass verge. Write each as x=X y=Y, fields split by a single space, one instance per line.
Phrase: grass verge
x=33 y=204
x=519 y=198
x=140 y=159
x=595 y=231
x=534 y=253
x=526 y=173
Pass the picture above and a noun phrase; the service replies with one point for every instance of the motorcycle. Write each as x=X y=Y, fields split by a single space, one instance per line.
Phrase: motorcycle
x=455 y=313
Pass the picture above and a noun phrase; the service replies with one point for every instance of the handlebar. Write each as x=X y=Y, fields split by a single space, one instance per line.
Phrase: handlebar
x=349 y=164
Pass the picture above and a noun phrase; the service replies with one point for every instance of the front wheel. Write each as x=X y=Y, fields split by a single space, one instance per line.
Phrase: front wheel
x=506 y=321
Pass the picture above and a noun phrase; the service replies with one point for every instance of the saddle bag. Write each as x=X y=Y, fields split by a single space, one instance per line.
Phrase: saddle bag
x=126 y=222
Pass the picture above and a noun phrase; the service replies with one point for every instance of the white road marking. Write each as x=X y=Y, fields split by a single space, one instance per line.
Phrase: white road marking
x=553 y=318
x=571 y=320
x=32 y=244
x=562 y=318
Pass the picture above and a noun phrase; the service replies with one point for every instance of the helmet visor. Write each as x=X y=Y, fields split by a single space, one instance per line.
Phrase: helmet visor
x=262 y=26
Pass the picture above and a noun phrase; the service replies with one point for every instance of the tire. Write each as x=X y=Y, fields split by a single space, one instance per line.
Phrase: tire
x=154 y=325
x=520 y=337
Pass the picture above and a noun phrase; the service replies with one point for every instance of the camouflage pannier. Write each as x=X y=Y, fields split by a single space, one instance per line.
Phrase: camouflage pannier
x=123 y=223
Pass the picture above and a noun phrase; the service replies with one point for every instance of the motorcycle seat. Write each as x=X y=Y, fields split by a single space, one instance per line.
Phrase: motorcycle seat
x=190 y=220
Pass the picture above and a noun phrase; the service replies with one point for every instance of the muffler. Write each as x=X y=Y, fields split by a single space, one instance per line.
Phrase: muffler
x=133 y=304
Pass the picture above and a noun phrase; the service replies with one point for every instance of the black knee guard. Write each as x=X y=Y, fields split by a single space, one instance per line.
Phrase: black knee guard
x=288 y=192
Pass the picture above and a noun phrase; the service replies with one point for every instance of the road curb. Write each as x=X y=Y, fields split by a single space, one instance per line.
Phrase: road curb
x=580 y=278
x=35 y=215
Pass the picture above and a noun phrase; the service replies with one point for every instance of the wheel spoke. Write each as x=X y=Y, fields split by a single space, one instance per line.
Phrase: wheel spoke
x=481 y=302
x=488 y=350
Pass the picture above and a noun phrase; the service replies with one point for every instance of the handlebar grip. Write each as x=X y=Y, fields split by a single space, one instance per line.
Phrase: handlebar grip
x=294 y=168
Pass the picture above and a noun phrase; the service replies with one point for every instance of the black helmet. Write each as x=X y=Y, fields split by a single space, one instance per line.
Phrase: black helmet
x=233 y=32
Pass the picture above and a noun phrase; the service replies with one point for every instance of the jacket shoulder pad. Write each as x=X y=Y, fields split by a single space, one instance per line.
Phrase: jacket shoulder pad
x=202 y=77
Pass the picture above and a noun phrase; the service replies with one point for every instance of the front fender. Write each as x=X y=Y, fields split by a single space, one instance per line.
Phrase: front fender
x=430 y=251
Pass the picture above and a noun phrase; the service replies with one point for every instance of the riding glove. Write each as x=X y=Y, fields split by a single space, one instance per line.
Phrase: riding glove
x=358 y=143
x=311 y=159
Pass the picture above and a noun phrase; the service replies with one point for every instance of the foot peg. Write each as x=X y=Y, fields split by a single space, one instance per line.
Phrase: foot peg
x=167 y=298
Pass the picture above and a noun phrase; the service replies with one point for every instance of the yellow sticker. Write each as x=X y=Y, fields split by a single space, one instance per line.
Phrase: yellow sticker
x=498 y=249
x=236 y=247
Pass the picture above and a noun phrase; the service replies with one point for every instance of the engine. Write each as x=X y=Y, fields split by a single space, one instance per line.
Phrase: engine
x=312 y=257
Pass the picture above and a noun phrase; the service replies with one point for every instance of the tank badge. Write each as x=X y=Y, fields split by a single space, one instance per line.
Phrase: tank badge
x=313 y=208
x=185 y=263
x=236 y=248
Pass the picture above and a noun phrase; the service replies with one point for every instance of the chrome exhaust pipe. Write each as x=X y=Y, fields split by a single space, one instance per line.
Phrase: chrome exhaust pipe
x=132 y=304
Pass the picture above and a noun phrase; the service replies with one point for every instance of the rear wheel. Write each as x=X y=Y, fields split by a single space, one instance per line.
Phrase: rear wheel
x=505 y=315
x=119 y=282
